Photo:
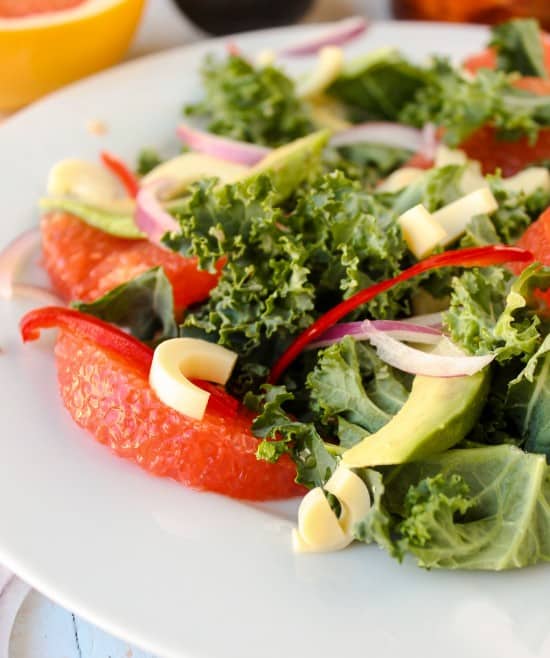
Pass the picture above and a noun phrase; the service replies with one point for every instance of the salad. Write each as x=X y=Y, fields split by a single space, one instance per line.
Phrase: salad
x=338 y=290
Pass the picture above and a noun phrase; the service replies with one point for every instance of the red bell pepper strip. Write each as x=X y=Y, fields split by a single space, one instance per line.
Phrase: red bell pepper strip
x=122 y=172
x=103 y=334
x=115 y=340
x=472 y=257
x=219 y=399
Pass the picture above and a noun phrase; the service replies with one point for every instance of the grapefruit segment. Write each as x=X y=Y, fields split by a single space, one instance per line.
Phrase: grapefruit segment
x=112 y=399
x=84 y=263
x=20 y=8
x=510 y=157
x=537 y=240
x=45 y=44
x=538 y=86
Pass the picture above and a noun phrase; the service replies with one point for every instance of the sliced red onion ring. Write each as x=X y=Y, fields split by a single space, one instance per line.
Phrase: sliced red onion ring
x=220 y=147
x=13 y=593
x=382 y=132
x=408 y=359
x=430 y=141
x=12 y=259
x=407 y=331
x=398 y=329
x=338 y=34
x=151 y=218
x=386 y=335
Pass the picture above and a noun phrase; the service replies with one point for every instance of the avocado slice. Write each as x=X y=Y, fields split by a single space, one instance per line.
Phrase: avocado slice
x=119 y=223
x=438 y=414
x=291 y=164
x=188 y=168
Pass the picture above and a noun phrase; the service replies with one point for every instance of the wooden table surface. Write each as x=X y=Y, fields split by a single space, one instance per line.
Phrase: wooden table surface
x=42 y=629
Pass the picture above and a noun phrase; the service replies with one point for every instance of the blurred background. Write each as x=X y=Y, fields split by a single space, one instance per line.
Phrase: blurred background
x=45 y=44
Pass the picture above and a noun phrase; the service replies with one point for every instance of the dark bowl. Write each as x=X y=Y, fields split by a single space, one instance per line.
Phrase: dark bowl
x=228 y=16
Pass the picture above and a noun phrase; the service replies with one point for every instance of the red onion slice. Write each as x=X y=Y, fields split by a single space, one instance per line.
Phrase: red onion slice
x=231 y=150
x=398 y=329
x=13 y=593
x=12 y=259
x=338 y=34
x=430 y=141
x=386 y=336
x=5 y=577
x=408 y=359
x=407 y=331
x=150 y=217
x=382 y=132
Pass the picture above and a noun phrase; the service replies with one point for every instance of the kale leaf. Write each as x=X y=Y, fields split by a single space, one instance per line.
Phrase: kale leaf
x=494 y=426
x=366 y=162
x=351 y=394
x=429 y=510
x=283 y=435
x=263 y=291
x=491 y=311
x=528 y=401
x=378 y=85
x=519 y=47
x=144 y=305
x=437 y=187
x=283 y=268
x=515 y=212
x=353 y=241
x=378 y=526
x=478 y=508
x=481 y=231
x=463 y=105
x=251 y=104
x=351 y=385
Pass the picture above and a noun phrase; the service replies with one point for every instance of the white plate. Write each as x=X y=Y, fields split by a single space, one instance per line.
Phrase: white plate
x=178 y=572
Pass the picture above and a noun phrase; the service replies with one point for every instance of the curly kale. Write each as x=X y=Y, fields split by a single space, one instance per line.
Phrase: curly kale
x=519 y=47
x=250 y=104
x=462 y=105
x=281 y=269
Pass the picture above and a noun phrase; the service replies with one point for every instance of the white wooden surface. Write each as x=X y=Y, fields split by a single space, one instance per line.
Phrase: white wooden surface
x=41 y=629
x=44 y=630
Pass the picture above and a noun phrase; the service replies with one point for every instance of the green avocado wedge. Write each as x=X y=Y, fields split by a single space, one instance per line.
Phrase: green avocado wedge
x=288 y=166
x=291 y=164
x=117 y=223
x=438 y=414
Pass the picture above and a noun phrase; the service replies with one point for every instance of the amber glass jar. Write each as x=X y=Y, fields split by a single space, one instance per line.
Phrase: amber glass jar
x=472 y=11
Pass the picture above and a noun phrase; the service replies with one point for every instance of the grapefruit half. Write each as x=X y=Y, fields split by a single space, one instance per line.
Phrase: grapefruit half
x=45 y=44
